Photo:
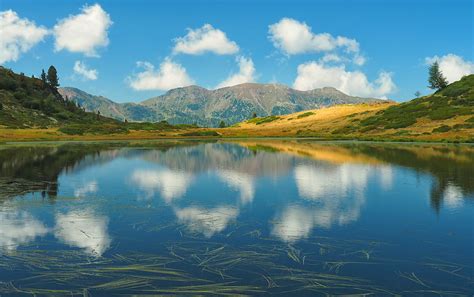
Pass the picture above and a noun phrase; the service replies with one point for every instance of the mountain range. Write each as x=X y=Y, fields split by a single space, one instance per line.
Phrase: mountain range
x=197 y=105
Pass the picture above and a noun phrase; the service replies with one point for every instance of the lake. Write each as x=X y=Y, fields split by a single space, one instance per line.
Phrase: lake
x=293 y=217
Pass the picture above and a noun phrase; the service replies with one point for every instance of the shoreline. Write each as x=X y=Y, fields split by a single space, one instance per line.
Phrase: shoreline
x=112 y=138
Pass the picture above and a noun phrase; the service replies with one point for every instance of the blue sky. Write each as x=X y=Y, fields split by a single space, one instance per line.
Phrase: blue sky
x=128 y=50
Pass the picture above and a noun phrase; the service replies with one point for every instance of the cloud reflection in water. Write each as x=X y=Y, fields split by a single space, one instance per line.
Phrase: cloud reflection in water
x=207 y=221
x=241 y=181
x=83 y=229
x=18 y=227
x=338 y=193
x=171 y=184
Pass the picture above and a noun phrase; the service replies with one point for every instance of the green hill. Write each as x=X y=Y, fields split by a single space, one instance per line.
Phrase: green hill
x=446 y=115
x=29 y=103
x=456 y=100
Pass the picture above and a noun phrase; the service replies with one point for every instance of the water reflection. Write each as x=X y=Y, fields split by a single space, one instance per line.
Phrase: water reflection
x=338 y=193
x=330 y=181
x=86 y=189
x=171 y=184
x=244 y=183
x=18 y=228
x=83 y=229
x=453 y=197
x=207 y=221
x=236 y=218
x=198 y=182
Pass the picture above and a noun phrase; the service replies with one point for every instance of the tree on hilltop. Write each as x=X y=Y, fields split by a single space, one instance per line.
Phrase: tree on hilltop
x=43 y=77
x=436 y=78
x=53 y=77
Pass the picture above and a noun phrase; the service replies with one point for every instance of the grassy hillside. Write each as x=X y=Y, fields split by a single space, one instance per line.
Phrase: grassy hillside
x=29 y=103
x=317 y=122
x=41 y=112
x=455 y=101
x=447 y=115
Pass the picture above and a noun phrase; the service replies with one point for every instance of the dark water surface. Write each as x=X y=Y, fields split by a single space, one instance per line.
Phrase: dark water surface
x=297 y=218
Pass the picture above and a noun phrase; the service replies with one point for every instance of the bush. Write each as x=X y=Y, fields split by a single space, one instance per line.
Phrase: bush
x=306 y=114
x=259 y=121
x=400 y=123
x=441 y=129
x=201 y=133
x=80 y=129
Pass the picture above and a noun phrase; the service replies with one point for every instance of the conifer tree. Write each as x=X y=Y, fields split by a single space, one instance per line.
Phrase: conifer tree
x=436 y=78
x=43 y=77
x=53 y=77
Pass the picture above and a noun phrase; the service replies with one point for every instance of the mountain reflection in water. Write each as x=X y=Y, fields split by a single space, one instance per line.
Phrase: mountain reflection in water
x=321 y=205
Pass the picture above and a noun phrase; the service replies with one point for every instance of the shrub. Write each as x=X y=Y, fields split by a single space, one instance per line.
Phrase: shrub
x=400 y=123
x=80 y=129
x=306 y=114
x=441 y=129
x=201 y=133
x=259 y=121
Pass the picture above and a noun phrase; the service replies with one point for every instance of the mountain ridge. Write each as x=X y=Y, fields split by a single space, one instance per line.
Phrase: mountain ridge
x=207 y=107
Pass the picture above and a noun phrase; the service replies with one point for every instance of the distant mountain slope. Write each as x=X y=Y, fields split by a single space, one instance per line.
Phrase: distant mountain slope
x=130 y=111
x=27 y=102
x=195 y=104
x=237 y=103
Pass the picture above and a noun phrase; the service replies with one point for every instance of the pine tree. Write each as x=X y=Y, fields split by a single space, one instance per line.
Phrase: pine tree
x=222 y=124
x=53 y=77
x=254 y=115
x=43 y=77
x=436 y=78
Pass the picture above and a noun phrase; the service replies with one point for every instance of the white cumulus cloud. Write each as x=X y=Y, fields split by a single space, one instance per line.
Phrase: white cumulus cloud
x=294 y=37
x=84 y=71
x=170 y=75
x=452 y=66
x=17 y=35
x=205 y=39
x=312 y=75
x=246 y=73
x=84 y=32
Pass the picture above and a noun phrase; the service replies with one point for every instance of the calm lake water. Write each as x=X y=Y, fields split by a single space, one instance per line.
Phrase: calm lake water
x=298 y=218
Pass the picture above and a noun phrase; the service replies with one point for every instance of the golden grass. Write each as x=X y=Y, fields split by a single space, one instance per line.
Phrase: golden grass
x=54 y=135
x=322 y=123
